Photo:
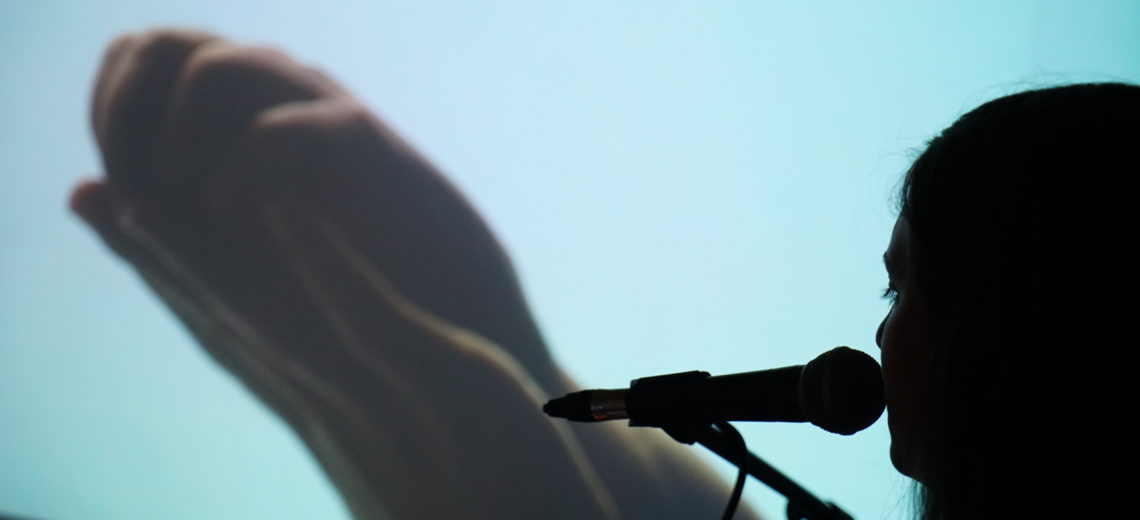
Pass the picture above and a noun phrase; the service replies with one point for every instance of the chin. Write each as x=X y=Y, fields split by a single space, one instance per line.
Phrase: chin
x=903 y=460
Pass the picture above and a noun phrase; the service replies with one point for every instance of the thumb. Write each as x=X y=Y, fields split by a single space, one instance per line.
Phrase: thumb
x=91 y=202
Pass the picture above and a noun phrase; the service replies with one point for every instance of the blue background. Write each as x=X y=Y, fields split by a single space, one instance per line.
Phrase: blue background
x=700 y=185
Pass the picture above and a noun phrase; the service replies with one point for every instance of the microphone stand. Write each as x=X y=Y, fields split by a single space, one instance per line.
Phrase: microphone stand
x=802 y=505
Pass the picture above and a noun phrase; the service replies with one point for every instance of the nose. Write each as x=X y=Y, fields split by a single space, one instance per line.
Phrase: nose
x=879 y=333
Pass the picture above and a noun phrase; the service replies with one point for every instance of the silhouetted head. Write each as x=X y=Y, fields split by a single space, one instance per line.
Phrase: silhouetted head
x=1013 y=245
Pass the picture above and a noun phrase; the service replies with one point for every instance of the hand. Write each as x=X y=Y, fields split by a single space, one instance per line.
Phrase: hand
x=194 y=129
x=336 y=273
x=318 y=258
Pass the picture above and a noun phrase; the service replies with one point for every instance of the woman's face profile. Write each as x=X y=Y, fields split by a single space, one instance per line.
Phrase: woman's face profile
x=905 y=353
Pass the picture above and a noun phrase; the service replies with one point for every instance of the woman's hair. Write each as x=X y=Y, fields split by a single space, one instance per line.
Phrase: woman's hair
x=1022 y=229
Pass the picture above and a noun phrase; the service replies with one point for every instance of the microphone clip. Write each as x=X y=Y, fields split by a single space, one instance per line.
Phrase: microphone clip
x=657 y=400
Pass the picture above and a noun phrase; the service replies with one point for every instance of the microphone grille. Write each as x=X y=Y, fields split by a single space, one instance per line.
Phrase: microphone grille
x=841 y=391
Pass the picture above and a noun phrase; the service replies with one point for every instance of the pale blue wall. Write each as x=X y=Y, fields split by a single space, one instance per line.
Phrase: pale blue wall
x=682 y=186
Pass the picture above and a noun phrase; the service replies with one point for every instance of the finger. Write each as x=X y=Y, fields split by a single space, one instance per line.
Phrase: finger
x=110 y=69
x=92 y=202
x=239 y=276
x=220 y=91
x=293 y=151
x=264 y=377
x=377 y=325
x=333 y=157
x=439 y=379
x=132 y=95
x=173 y=283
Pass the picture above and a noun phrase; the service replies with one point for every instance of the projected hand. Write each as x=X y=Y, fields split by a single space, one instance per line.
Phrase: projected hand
x=336 y=273
x=272 y=213
x=196 y=129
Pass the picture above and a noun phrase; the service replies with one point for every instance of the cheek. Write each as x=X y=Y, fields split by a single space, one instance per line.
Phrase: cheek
x=904 y=358
x=895 y=365
x=906 y=349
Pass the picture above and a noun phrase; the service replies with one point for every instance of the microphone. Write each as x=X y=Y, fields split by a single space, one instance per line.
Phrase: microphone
x=840 y=391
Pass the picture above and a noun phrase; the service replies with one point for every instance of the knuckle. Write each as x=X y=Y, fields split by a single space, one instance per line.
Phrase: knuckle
x=118 y=45
x=281 y=124
x=166 y=44
x=226 y=65
x=349 y=118
x=329 y=120
x=139 y=70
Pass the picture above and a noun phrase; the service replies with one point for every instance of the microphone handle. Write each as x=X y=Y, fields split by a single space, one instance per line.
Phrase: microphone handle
x=694 y=397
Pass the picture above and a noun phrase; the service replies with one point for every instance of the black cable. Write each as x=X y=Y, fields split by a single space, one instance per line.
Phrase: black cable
x=806 y=505
x=735 y=438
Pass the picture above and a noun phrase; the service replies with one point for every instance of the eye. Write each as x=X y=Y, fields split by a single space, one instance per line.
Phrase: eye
x=891 y=295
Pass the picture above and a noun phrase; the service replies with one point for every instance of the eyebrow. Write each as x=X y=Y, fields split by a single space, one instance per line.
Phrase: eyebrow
x=896 y=262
